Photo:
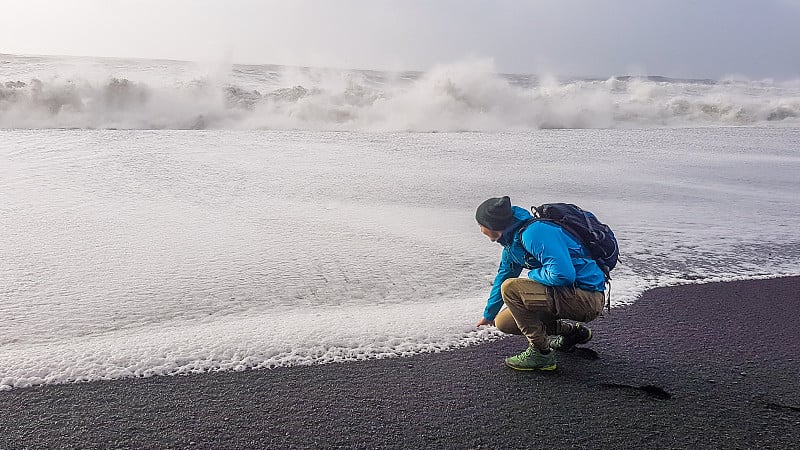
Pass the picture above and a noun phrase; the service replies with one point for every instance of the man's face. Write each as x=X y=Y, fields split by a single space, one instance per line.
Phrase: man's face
x=491 y=234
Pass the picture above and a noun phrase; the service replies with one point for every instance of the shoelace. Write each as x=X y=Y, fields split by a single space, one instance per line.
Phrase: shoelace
x=556 y=342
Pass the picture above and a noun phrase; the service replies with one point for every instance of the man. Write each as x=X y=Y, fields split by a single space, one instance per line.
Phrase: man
x=563 y=282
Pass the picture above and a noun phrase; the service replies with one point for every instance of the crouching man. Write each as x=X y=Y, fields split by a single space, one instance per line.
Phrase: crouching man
x=564 y=282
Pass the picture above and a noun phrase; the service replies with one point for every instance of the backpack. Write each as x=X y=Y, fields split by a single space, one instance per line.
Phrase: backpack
x=595 y=236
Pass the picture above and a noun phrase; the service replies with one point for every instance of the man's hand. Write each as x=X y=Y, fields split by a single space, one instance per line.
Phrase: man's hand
x=484 y=321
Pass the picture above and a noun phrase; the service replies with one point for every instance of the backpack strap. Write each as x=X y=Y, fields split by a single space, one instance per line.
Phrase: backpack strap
x=526 y=224
x=537 y=216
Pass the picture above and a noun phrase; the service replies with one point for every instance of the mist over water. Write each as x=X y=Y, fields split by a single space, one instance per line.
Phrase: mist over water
x=60 y=92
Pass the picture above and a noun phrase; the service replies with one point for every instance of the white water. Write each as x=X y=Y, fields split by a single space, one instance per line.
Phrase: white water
x=143 y=252
x=61 y=92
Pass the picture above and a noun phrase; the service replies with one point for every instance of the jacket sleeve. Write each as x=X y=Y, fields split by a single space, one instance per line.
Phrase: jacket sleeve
x=548 y=246
x=507 y=270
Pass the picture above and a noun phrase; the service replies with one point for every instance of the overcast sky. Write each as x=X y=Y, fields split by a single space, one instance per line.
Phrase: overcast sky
x=679 y=38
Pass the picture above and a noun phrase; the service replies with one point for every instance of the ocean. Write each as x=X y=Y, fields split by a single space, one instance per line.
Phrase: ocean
x=167 y=217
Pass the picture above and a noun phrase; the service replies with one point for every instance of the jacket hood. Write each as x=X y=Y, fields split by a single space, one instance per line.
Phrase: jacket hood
x=521 y=215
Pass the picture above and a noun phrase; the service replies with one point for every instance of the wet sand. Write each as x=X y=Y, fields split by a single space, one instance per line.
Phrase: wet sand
x=696 y=366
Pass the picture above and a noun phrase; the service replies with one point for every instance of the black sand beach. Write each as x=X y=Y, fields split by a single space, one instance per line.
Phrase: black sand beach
x=698 y=366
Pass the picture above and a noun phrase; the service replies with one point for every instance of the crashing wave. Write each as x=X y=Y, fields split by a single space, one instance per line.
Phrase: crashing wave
x=467 y=96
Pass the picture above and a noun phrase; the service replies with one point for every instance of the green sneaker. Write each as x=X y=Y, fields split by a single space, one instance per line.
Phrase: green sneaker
x=531 y=359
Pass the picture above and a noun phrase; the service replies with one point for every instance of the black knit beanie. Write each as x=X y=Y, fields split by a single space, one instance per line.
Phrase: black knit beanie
x=495 y=213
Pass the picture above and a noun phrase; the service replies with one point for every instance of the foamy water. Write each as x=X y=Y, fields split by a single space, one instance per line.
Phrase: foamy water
x=151 y=252
x=61 y=92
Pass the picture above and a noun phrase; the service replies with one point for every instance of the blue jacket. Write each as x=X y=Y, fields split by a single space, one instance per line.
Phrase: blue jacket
x=553 y=258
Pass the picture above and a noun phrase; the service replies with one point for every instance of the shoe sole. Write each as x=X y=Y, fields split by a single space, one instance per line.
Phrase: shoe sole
x=588 y=338
x=531 y=369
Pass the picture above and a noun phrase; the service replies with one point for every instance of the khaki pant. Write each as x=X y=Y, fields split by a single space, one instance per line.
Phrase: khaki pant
x=535 y=310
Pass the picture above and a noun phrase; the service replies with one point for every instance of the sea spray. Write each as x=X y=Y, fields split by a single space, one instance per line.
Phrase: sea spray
x=464 y=96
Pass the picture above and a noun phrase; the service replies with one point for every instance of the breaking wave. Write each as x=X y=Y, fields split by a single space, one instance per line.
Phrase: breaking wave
x=467 y=96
